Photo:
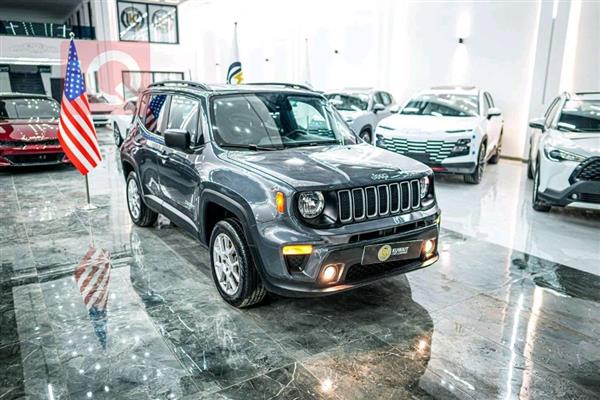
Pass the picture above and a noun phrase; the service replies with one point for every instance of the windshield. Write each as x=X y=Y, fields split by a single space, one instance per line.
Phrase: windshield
x=29 y=108
x=346 y=102
x=580 y=116
x=277 y=120
x=443 y=105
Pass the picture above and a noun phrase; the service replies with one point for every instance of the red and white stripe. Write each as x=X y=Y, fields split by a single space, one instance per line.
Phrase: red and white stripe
x=77 y=134
x=93 y=276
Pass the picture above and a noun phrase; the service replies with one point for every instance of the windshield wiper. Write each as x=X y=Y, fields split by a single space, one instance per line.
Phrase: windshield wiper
x=314 y=143
x=252 y=147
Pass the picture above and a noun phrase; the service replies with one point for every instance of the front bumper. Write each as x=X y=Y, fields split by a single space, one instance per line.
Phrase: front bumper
x=101 y=119
x=578 y=194
x=32 y=155
x=345 y=249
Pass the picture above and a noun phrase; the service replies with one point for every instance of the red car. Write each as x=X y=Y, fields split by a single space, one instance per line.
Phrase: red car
x=29 y=131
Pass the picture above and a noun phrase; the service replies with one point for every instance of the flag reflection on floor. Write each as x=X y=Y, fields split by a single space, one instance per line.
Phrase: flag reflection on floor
x=93 y=276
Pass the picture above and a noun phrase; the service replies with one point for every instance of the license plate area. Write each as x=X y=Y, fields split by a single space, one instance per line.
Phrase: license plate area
x=386 y=252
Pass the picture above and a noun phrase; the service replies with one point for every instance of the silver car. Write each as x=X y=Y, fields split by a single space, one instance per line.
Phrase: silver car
x=362 y=108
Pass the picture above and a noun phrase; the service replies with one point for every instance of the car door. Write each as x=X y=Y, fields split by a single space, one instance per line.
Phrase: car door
x=494 y=123
x=179 y=178
x=148 y=143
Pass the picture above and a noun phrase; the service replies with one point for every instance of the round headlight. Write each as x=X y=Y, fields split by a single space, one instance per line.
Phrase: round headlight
x=311 y=204
x=424 y=186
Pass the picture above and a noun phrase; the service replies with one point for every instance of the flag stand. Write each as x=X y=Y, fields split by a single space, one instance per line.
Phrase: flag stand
x=89 y=206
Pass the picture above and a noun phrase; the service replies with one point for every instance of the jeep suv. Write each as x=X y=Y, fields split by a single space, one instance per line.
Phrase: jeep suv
x=286 y=197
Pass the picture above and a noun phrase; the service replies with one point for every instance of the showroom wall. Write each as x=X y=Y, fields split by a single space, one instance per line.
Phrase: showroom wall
x=405 y=47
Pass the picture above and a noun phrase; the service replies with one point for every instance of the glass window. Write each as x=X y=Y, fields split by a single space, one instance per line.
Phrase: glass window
x=580 y=116
x=147 y=22
x=443 y=105
x=154 y=112
x=133 y=21
x=551 y=113
x=489 y=99
x=378 y=99
x=276 y=120
x=31 y=109
x=183 y=114
x=344 y=102
x=387 y=98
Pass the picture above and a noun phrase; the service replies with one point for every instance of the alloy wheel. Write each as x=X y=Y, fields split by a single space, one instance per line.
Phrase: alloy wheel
x=134 y=201
x=227 y=264
x=117 y=135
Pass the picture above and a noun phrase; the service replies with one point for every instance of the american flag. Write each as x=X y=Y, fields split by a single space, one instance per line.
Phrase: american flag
x=93 y=276
x=76 y=131
x=153 y=111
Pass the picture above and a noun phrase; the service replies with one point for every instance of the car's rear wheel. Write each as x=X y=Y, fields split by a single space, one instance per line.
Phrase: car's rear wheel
x=365 y=135
x=476 y=176
x=536 y=202
x=140 y=214
x=233 y=269
x=496 y=157
x=117 y=135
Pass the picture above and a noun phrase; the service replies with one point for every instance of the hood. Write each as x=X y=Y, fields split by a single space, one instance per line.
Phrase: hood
x=102 y=108
x=351 y=114
x=586 y=144
x=328 y=167
x=419 y=125
x=28 y=131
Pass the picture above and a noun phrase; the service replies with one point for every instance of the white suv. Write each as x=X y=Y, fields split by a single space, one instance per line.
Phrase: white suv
x=362 y=108
x=564 y=156
x=451 y=129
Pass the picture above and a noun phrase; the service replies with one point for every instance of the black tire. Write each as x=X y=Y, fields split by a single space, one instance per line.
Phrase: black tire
x=250 y=290
x=496 y=157
x=529 y=169
x=145 y=216
x=117 y=135
x=365 y=135
x=476 y=176
x=536 y=202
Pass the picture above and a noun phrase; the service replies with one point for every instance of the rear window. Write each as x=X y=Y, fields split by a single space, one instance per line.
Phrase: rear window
x=29 y=108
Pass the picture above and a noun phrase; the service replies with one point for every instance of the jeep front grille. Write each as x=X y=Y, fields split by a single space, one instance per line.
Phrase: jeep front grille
x=358 y=204
x=438 y=150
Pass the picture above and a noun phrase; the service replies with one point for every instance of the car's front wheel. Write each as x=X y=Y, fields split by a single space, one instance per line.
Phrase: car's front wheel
x=536 y=202
x=476 y=176
x=233 y=269
x=117 y=135
x=365 y=135
x=140 y=214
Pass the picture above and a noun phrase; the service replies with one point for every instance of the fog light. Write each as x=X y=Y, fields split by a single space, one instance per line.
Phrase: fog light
x=574 y=196
x=297 y=249
x=330 y=273
x=429 y=247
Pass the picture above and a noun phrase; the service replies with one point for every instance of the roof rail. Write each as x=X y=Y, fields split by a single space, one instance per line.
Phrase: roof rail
x=584 y=93
x=181 y=83
x=283 y=84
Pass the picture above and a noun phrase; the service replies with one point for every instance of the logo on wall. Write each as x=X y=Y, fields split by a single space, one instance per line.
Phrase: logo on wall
x=163 y=20
x=132 y=18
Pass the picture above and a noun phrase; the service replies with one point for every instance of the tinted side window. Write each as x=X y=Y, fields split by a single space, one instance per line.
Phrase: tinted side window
x=489 y=99
x=183 y=114
x=552 y=111
x=486 y=105
x=386 y=98
x=378 y=99
x=154 y=112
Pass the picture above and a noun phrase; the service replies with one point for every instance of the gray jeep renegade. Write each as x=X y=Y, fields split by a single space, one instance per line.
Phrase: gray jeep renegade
x=270 y=178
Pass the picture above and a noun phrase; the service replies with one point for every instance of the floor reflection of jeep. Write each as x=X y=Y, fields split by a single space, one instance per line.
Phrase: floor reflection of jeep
x=273 y=181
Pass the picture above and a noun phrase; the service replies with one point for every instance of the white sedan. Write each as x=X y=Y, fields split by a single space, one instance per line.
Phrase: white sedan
x=452 y=129
x=564 y=156
x=121 y=120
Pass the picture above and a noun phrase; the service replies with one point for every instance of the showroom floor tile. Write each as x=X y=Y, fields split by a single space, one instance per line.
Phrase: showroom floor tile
x=486 y=321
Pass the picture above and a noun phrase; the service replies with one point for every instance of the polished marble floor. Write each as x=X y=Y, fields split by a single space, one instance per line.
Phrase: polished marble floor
x=495 y=318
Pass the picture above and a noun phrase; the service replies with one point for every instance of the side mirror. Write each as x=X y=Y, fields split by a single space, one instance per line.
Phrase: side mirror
x=378 y=107
x=537 y=123
x=395 y=109
x=177 y=139
x=493 y=112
